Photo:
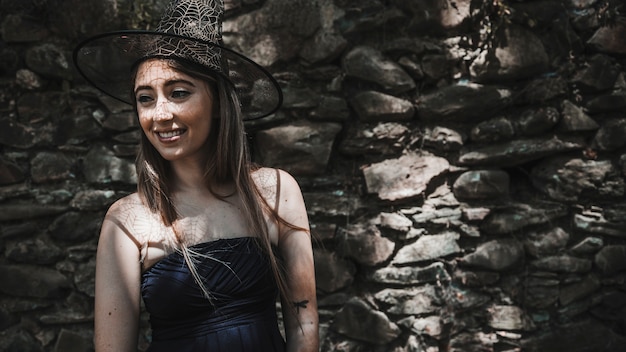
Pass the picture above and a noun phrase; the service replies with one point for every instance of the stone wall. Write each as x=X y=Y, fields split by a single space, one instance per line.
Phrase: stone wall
x=463 y=166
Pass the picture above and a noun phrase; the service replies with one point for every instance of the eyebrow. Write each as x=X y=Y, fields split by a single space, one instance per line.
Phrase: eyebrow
x=167 y=84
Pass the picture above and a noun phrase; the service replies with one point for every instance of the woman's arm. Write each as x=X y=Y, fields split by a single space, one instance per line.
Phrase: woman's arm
x=117 y=302
x=297 y=253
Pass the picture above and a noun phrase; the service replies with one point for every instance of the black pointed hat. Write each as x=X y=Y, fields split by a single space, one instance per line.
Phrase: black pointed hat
x=189 y=30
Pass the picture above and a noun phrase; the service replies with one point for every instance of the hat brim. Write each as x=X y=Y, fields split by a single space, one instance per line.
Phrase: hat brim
x=107 y=60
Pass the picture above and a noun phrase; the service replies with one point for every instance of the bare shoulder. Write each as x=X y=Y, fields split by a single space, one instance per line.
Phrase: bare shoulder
x=130 y=215
x=124 y=208
x=269 y=181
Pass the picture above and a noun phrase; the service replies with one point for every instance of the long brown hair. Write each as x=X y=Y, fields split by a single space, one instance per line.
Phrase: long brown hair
x=228 y=161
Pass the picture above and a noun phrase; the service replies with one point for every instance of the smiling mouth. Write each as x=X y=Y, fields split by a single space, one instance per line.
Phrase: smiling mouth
x=170 y=134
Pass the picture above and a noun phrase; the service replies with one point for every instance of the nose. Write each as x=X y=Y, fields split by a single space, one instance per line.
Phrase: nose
x=162 y=111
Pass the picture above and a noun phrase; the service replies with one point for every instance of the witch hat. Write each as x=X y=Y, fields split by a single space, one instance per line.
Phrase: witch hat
x=190 y=30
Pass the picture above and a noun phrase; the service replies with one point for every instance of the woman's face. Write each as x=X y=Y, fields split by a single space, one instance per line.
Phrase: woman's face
x=174 y=110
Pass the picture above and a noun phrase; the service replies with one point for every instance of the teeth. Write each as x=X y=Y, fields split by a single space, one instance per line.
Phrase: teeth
x=170 y=134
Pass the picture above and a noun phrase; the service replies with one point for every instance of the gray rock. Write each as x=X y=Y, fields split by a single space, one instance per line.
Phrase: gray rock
x=302 y=149
x=598 y=76
x=598 y=224
x=85 y=276
x=442 y=138
x=331 y=204
x=462 y=103
x=89 y=200
x=464 y=299
x=541 y=295
x=429 y=326
x=472 y=341
x=14 y=340
x=437 y=14
x=38 y=107
x=543 y=89
x=415 y=301
x=17 y=135
x=436 y=66
x=395 y=221
x=562 y=264
x=482 y=184
x=76 y=226
x=608 y=39
x=497 y=255
x=267 y=36
x=428 y=248
x=365 y=245
x=331 y=108
x=78 y=129
x=34 y=251
x=610 y=136
x=300 y=98
x=514 y=318
x=125 y=150
x=42 y=282
x=49 y=60
x=331 y=272
x=474 y=214
x=372 y=106
x=610 y=102
x=131 y=137
x=71 y=341
x=28 y=79
x=574 y=119
x=539 y=244
x=437 y=216
x=588 y=245
x=102 y=166
x=66 y=317
x=580 y=336
x=25 y=211
x=325 y=46
x=412 y=67
x=359 y=321
x=537 y=121
x=494 y=130
x=579 y=290
x=521 y=55
x=612 y=306
x=517 y=216
x=47 y=167
x=122 y=121
x=406 y=276
x=10 y=172
x=370 y=16
x=611 y=259
x=517 y=152
x=18 y=29
x=474 y=278
x=369 y=64
x=384 y=139
x=405 y=177
x=567 y=179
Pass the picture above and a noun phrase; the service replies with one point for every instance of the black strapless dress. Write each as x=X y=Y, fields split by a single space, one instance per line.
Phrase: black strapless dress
x=241 y=315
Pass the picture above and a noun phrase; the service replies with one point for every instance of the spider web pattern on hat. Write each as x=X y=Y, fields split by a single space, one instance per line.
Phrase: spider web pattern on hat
x=206 y=25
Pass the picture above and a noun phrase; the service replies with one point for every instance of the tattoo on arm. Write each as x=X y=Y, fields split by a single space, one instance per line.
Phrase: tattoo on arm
x=301 y=304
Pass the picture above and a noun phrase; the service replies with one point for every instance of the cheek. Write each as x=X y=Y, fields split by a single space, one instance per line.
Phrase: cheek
x=144 y=121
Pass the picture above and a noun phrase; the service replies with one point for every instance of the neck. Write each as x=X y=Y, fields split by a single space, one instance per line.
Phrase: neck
x=188 y=175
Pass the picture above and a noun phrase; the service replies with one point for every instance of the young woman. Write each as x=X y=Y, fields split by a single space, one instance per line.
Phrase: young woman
x=209 y=241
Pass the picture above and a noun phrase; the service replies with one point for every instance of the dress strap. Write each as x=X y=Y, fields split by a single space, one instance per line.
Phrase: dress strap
x=277 y=202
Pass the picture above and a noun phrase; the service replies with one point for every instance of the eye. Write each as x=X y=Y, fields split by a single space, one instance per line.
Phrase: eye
x=143 y=99
x=178 y=94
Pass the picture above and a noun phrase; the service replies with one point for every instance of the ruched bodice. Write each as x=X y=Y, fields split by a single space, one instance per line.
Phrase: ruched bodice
x=241 y=315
